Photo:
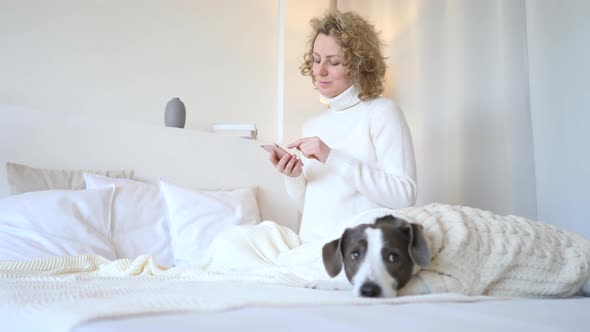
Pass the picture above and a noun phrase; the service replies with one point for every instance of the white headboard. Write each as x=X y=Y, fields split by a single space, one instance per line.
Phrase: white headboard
x=198 y=160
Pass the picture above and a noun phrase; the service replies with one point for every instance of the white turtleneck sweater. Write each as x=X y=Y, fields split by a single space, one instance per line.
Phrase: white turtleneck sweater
x=371 y=164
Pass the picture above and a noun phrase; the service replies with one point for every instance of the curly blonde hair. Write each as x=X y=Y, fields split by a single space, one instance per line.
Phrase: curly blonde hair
x=361 y=50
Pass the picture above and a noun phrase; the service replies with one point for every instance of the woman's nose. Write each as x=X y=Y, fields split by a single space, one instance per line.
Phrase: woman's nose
x=322 y=70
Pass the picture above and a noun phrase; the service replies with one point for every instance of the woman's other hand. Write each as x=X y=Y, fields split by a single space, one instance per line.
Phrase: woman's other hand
x=312 y=148
x=289 y=164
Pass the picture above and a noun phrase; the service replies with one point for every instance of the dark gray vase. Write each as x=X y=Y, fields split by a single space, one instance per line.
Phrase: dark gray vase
x=175 y=114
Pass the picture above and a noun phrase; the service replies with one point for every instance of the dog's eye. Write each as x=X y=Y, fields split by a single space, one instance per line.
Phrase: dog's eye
x=355 y=254
x=393 y=257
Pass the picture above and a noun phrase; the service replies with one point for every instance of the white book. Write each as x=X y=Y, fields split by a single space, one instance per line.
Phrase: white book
x=247 y=130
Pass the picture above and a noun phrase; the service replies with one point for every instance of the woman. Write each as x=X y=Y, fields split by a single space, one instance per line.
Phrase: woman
x=358 y=154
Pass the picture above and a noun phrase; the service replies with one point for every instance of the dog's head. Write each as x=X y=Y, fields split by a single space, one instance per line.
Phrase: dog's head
x=378 y=258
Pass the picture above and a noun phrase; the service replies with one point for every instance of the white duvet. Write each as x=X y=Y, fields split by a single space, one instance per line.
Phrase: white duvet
x=249 y=265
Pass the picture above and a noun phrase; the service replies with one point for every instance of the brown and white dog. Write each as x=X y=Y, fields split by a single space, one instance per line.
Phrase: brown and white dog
x=380 y=258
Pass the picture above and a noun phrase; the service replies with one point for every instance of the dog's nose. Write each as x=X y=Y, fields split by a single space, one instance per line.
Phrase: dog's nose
x=370 y=289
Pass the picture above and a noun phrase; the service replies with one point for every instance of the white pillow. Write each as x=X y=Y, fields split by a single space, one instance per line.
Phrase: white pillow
x=196 y=217
x=56 y=223
x=139 y=222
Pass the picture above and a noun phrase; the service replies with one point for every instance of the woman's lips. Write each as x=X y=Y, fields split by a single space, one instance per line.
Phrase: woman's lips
x=325 y=84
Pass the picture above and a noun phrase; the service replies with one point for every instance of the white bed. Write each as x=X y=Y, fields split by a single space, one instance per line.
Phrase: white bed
x=205 y=160
x=517 y=315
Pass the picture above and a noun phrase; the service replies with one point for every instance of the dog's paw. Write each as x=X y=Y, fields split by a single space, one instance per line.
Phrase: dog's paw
x=330 y=285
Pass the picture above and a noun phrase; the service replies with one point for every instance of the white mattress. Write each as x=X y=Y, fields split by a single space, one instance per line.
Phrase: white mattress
x=509 y=315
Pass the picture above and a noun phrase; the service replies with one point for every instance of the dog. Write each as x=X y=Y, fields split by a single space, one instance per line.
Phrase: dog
x=380 y=259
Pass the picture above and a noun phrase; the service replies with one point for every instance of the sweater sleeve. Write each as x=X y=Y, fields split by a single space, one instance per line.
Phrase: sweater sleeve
x=295 y=188
x=391 y=182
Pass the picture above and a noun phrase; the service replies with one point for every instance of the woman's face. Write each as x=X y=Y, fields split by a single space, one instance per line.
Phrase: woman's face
x=330 y=74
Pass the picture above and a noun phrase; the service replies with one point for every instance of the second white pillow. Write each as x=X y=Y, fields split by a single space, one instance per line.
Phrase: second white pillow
x=139 y=223
x=196 y=217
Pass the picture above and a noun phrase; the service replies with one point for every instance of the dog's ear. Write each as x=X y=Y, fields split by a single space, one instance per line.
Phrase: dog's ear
x=419 y=250
x=332 y=256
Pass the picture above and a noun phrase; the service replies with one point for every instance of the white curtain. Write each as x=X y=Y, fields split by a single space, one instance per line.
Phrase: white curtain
x=558 y=35
x=458 y=69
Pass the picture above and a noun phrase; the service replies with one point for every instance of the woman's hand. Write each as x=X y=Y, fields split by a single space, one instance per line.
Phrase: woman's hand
x=312 y=148
x=289 y=164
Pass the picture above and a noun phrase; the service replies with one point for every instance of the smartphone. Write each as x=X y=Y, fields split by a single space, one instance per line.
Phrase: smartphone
x=274 y=147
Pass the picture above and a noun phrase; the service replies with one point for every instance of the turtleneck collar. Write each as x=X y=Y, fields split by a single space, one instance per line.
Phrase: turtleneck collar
x=347 y=99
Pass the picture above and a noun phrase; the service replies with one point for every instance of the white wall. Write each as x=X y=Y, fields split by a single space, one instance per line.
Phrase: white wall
x=559 y=50
x=301 y=99
x=126 y=59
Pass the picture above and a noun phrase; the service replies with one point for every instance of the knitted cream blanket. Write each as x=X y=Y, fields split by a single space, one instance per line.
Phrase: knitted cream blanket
x=267 y=265
x=476 y=252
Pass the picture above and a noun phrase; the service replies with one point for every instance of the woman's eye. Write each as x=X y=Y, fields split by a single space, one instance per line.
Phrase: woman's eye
x=392 y=257
x=355 y=254
x=334 y=63
x=316 y=61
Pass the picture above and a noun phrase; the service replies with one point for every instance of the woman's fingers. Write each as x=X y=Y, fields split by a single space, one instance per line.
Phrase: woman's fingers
x=312 y=148
x=298 y=168
x=295 y=145
x=289 y=165
x=283 y=162
x=272 y=156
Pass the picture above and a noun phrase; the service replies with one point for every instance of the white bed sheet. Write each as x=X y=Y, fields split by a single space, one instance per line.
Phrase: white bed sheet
x=498 y=316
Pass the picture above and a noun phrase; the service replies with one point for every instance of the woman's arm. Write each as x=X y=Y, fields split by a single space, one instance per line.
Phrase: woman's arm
x=392 y=181
x=295 y=187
